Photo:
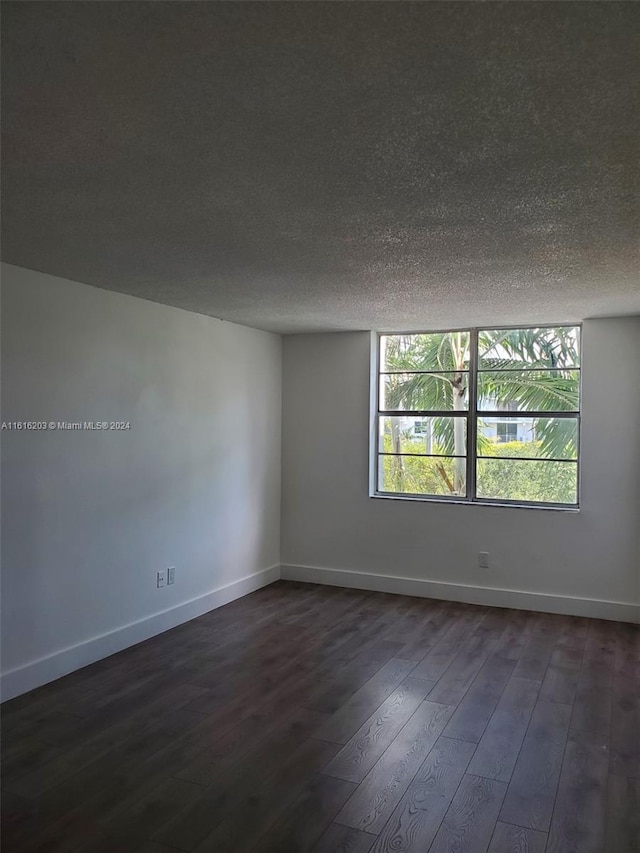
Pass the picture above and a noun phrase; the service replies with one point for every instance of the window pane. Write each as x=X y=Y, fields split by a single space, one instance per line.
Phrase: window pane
x=436 y=351
x=424 y=392
x=422 y=475
x=517 y=480
x=529 y=390
x=551 y=438
x=558 y=346
x=438 y=436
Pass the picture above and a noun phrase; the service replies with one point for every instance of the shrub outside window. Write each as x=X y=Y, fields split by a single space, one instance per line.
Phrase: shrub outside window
x=480 y=415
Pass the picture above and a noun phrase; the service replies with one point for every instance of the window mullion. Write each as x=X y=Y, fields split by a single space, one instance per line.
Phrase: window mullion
x=472 y=440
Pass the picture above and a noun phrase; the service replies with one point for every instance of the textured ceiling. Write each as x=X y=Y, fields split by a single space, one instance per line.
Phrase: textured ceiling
x=324 y=166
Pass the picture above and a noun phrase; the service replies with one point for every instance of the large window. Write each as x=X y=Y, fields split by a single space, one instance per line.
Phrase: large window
x=480 y=415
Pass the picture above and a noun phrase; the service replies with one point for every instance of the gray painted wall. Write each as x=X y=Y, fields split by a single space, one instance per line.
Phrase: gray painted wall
x=330 y=522
x=89 y=517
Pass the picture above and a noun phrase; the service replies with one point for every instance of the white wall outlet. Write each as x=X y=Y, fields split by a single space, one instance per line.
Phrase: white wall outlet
x=483 y=560
x=171 y=575
x=161 y=579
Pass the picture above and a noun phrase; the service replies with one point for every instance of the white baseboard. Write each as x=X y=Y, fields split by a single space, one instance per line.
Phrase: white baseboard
x=20 y=680
x=41 y=671
x=617 y=611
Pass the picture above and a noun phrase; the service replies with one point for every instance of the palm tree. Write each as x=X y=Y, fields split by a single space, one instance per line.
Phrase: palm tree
x=525 y=369
x=444 y=387
x=535 y=371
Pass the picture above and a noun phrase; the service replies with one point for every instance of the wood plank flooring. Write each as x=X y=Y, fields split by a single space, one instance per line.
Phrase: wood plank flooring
x=310 y=719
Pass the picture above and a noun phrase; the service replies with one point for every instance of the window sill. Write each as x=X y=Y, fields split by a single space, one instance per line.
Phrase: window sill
x=483 y=503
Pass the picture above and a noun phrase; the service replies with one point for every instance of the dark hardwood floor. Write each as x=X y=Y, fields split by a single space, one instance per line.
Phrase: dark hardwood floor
x=309 y=718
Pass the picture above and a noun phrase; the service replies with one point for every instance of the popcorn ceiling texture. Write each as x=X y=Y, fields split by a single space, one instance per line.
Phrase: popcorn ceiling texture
x=326 y=166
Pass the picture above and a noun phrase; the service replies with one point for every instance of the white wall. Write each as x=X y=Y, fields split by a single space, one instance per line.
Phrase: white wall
x=330 y=523
x=89 y=517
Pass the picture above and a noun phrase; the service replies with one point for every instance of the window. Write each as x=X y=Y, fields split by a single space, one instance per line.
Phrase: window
x=479 y=415
x=506 y=431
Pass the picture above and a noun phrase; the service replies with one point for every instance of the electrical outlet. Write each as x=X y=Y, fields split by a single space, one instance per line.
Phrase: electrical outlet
x=483 y=560
x=161 y=579
x=171 y=575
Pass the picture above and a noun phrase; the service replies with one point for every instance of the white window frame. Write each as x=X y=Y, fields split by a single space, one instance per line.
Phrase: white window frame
x=471 y=416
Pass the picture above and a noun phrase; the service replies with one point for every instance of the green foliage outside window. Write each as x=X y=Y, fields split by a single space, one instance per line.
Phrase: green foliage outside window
x=518 y=371
x=546 y=482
